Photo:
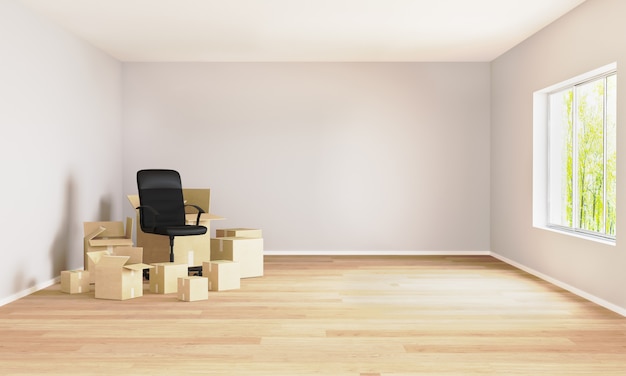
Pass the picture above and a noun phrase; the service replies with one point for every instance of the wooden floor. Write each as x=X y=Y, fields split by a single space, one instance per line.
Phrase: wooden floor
x=325 y=315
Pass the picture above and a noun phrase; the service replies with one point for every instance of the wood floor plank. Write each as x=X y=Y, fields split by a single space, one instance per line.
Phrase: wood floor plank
x=333 y=315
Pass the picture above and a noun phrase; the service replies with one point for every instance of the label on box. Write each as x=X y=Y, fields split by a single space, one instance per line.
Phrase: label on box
x=190 y=258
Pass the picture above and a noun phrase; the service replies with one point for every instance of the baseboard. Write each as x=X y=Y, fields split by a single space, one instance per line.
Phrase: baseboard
x=375 y=253
x=30 y=290
x=563 y=285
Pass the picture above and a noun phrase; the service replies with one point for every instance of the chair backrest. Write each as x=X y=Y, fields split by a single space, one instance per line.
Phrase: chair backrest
x=162 y=191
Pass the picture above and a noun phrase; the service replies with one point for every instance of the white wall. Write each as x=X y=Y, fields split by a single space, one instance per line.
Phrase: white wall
x=588 y=37
x=322 y=157
x=60 y=150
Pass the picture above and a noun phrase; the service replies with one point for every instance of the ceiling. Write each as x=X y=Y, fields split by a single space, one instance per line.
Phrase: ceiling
x=303 y=30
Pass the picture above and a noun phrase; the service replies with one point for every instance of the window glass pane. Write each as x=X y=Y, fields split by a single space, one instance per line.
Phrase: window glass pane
x=560 y=157
x=575 y=190
x=611 y=147
x=590 y=156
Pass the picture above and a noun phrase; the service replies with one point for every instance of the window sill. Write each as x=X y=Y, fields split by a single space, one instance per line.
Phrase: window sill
x=580 y=235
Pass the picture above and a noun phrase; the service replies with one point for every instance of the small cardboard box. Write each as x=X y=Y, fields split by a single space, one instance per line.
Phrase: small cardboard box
x=238 y=233
x=74 y=281
x=104 y=236
x=191 y=289
x=117 y=280
x=223 y=275
x=164 y=277
x=135 y=255
x=192 y=250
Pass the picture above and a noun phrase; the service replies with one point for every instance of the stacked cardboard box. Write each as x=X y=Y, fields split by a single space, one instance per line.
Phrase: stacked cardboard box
x=106 y=236
x=242 y=245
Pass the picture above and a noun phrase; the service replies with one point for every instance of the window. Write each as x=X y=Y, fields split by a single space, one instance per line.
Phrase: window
x=579 y=127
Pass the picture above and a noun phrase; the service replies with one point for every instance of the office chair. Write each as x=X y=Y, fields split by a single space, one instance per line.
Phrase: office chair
x=162 y=207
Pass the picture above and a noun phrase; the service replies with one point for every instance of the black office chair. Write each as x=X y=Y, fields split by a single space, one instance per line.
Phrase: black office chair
x=162 y=207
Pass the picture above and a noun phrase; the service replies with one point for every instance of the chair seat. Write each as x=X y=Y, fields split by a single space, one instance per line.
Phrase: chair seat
x=183 y=230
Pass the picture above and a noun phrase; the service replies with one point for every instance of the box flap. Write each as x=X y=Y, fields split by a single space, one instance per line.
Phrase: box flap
x=95 y=256
x=95 y=233
x=128 y=233
x=110 y=242
x=111 y=228
x=112 y=261
x=203 y=217
x=138 y=266
x=134 y=200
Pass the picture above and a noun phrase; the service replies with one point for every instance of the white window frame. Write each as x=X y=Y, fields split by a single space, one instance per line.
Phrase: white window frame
x=541 y=155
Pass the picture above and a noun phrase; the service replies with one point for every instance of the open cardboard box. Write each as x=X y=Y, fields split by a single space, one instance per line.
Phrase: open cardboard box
x=104 y=236
x=191 y=250
x=135 y=255
x=118 y=280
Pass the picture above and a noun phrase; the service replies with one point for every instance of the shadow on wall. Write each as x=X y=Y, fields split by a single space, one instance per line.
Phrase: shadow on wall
x=20 y=283
x=104 y=214
x=61 y=245
x=59 y=248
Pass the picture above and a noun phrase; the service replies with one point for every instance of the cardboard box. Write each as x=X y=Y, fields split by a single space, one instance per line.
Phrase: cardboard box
x=92 y=260
x=248 y=252
x=191 y=289
x=238 y=233
x=135 y=255
x=103 y=236
x=222 y=274
x=74 y=281
x=192 y=250
x=117 y=280
x=164 y=276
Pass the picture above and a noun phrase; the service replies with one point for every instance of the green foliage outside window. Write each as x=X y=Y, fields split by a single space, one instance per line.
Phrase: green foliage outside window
x=585 y=141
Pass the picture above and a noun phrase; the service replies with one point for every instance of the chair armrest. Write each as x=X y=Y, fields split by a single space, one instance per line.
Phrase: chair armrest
x=200 y=211
x=143 y=219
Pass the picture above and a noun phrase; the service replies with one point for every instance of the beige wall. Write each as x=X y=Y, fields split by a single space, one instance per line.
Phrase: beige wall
x=323 y=157
x=587 y=38
x=60 y=149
